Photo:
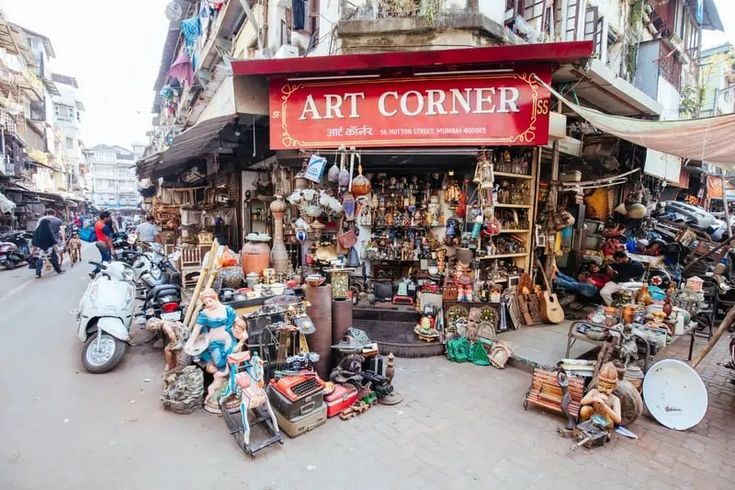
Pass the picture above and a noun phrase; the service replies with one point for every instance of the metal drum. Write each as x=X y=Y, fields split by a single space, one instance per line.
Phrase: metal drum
x=341 y=318
x=320 y=312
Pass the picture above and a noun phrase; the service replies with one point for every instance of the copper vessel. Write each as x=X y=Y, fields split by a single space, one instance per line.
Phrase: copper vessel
x=320 y=312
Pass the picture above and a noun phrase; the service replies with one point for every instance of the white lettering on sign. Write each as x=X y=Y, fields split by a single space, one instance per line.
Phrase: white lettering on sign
x=310 y=106
x=508 y=102
x=352 y=97
x=381 y=104
x=429 y=102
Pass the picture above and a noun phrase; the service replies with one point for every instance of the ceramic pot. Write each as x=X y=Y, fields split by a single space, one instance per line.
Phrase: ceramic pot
x=255 y=257
x=232 y=277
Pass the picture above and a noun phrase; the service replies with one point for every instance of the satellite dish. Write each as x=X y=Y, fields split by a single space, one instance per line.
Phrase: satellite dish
x=174 y=12
x=675 y=394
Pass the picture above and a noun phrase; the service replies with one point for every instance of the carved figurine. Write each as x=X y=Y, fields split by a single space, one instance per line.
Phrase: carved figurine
x=390 y=368
x=223 y=333
x=176 y=335
x=600 y=403
x=463 y=281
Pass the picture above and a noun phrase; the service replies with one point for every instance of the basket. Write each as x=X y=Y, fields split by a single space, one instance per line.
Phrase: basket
x=449 y=293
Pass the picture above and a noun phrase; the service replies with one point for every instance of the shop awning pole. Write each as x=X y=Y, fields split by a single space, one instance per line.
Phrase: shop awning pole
x=724 y=204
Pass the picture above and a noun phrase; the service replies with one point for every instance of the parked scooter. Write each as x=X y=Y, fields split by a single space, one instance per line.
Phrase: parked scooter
x=14 y=248
x=105 y=315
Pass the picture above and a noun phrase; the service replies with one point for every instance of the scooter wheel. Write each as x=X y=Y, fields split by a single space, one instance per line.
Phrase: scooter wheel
x=103 y=357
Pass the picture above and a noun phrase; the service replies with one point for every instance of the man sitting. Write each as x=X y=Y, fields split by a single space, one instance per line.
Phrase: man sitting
x=621 y=271
x=587 y=284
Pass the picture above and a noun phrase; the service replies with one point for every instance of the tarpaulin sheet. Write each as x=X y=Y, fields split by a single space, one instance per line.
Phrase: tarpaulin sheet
x=709 y=139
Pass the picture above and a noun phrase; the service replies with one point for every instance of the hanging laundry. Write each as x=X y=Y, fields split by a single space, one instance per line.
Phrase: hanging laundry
x=298 y=7
x=191 y=30
x=204 y=15
x=167 y=92
x=182 y=69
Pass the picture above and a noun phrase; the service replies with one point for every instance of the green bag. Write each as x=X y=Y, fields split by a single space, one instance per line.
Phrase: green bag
x=478 y=355
x=458 y=349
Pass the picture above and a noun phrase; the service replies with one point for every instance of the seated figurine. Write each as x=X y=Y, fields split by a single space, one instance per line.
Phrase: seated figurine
x=600 y=402
x=218 y=333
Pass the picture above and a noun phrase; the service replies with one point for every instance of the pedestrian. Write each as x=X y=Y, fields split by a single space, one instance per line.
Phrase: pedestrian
x=45 y=243
x=621 y=271
x=103 y=233
x=148 y=231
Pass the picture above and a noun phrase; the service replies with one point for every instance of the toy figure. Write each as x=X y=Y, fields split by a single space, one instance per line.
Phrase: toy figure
x=463 y=281
x=441 y=260
x=246 y=383
x=600 y=402
x=217 y=334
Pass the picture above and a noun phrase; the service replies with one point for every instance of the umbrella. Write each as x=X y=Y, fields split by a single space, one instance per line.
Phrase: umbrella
x=182 y=69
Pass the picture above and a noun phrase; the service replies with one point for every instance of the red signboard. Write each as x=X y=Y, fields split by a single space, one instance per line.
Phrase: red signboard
x=451 y=110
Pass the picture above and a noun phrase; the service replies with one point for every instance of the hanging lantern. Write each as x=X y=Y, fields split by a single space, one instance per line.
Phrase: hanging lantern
x=360 y=184
x=333 y=173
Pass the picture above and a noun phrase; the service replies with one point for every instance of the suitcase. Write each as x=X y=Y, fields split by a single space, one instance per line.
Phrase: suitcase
x=292 y=409
x=341 y=398
x=303 y=424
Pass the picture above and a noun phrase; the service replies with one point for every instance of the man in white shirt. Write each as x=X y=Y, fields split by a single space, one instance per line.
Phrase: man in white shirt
x=148 y=231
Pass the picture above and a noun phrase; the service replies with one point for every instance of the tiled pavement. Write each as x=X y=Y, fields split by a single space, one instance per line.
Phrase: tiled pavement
x=463 y=426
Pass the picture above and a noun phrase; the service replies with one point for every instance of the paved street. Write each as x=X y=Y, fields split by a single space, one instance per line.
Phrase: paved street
x=462 y=426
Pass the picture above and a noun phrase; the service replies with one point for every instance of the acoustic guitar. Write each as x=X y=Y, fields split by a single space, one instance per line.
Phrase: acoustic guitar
x=550 y=309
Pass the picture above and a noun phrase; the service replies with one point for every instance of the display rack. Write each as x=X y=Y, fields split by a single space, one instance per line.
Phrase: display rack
x=509 y=212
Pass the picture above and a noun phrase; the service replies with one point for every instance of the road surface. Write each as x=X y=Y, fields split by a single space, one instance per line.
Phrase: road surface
x=461 y=426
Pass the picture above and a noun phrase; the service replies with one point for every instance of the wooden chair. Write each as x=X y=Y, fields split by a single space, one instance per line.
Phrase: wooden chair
x=190 y=266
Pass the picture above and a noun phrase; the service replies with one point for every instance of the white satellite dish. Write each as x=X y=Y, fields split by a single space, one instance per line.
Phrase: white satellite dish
x=675 y=394
x=174 y=11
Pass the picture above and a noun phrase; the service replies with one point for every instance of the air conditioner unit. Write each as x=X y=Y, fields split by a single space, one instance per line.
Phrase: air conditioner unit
x=287 y=51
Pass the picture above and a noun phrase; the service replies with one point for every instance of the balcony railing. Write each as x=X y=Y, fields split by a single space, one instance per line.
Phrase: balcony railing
x=396 y=9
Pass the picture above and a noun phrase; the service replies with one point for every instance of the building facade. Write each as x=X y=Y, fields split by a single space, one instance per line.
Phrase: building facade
x=67 y=116
x=113 y=182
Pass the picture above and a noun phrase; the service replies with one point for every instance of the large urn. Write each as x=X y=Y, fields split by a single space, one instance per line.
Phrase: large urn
x=255 y=254
x=279 y=254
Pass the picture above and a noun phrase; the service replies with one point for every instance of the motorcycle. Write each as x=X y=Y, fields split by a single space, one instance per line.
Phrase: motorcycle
x=105 y=316
x=14 y=248
x=157 y=278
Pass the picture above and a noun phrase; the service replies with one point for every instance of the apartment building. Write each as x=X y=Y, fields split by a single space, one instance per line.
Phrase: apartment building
x=113 y=181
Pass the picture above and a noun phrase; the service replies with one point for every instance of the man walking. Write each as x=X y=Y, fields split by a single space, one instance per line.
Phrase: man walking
x=47 y=239
x=621 y=271
x=104 y=241
x=148 y=231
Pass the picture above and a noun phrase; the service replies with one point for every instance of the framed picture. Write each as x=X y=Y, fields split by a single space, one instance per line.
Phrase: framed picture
x=513 y=281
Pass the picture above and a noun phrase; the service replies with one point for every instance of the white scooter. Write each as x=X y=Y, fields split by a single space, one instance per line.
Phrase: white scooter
x=105 y=315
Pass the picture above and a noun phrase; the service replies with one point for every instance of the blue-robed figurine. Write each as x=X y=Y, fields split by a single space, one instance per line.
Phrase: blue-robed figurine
x=217 y=334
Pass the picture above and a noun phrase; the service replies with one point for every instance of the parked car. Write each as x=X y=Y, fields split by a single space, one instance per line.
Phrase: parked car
x=694 y=217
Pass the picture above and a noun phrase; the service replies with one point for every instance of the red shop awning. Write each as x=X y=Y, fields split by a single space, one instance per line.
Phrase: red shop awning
x=436 y=60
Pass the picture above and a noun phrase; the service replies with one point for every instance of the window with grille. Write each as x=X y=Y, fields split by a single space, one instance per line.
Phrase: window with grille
x=593 y=28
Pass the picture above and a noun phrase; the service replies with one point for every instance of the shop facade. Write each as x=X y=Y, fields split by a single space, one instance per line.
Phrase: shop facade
x=420 y=177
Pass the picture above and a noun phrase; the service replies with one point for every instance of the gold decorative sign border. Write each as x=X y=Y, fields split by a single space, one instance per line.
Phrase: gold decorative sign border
x=527 y=135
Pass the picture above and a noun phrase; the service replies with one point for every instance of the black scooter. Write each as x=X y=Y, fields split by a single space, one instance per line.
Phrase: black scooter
x=14 y=248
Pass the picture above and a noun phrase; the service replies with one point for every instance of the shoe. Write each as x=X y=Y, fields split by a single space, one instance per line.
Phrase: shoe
x=61 y=271
x=38 y=276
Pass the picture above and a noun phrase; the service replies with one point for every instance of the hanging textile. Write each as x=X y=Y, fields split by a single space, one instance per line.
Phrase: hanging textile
x=708 y=139
x=191 y=30
x=182 y=70
x=714 y=187
x=298 y=8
